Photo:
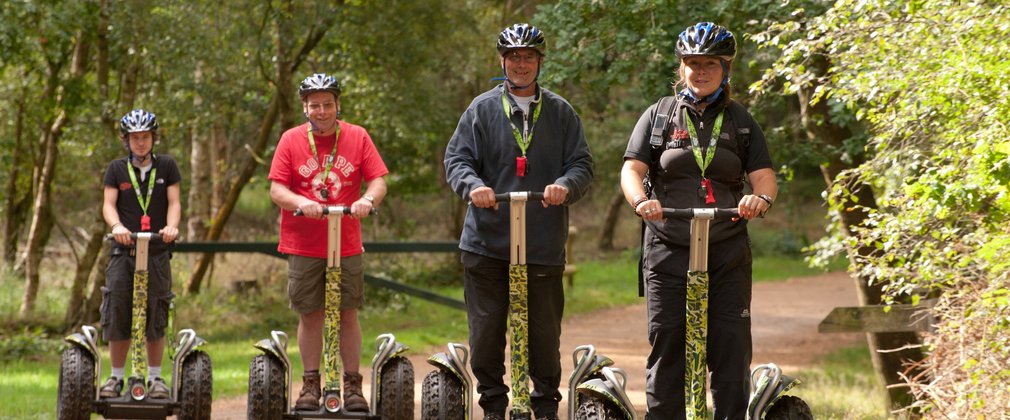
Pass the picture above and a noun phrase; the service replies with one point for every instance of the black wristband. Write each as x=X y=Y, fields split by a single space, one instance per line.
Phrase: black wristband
x=641 y=199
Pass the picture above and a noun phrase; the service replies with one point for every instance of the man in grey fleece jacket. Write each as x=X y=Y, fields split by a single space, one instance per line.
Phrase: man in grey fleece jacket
x=517 y=137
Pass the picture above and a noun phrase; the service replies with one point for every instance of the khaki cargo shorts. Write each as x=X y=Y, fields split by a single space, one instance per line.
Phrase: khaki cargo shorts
x=307 y=278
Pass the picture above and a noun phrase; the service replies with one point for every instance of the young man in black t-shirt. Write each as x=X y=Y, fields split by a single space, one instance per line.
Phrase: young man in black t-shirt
x=141 y=195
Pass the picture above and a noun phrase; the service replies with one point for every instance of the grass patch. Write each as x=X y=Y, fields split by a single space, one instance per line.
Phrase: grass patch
x=843 y=386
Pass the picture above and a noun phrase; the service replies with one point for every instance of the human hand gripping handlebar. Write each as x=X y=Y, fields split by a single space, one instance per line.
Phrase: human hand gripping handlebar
x=702 y=213
x=530 y=195
x=337 y=209
x=155 y=237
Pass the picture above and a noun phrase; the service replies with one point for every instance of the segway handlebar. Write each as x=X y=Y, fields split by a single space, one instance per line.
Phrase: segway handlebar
x=155 y=237
x=336 y=209
x=701 y=213
x=530 y=195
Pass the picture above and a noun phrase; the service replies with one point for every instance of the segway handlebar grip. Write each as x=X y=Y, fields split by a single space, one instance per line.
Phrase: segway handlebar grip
x=706 y=213
x=530 y=195
x=155 y=237
x=345 y=210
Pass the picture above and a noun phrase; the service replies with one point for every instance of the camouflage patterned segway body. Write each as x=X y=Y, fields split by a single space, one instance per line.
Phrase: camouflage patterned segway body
x=80 y=369
x=392 y=395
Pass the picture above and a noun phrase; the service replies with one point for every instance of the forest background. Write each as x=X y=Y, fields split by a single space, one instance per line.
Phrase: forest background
x=897 y=108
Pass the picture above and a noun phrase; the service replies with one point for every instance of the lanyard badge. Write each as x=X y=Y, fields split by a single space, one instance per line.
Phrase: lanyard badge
x=705 y=190
x=522 y=139
x=145 y=220
x=324 y=189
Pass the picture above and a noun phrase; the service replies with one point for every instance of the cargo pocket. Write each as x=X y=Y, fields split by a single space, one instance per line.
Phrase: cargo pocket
x=158 y=311
x=104 y=309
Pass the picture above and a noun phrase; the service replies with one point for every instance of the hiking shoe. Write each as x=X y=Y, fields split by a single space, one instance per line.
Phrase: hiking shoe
x=157 y=389
x=353 y=399
x=308 y=398
x=112 y=387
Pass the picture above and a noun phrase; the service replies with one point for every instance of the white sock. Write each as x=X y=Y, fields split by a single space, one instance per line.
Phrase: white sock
x=119 y=372
x=153 y=372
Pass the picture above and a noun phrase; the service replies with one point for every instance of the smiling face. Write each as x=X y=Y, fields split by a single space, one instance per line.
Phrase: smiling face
x=321 y=109
x=702 y=73
x=521 y=67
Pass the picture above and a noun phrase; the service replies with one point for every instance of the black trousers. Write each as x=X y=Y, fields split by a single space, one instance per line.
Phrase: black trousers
x=729 y=334
x=485 y=289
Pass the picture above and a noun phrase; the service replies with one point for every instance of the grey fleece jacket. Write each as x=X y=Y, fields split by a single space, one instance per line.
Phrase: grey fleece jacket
x=483 y=151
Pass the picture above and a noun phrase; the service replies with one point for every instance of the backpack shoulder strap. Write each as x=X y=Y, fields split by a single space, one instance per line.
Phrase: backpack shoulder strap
x=661 y=121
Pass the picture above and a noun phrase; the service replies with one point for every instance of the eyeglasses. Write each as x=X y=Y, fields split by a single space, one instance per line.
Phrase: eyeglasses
x=516 y=58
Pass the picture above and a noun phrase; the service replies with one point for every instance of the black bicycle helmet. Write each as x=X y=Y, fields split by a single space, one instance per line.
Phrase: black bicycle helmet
x=521 y=35
x=706 y=38
x=319 y=82
x=138 y=120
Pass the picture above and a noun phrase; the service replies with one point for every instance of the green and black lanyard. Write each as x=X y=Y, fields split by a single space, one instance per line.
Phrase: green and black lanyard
x=145 y=220
x=522 y=139
x=324 y=189
x=705 y=190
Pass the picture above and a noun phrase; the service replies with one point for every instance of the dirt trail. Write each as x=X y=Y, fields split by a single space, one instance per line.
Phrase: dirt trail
x=785 y=317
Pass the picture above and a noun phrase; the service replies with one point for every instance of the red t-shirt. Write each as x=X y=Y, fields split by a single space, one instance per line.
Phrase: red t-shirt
x=295 y=166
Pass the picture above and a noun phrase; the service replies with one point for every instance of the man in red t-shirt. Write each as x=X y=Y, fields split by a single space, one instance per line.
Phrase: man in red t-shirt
x=323 y=163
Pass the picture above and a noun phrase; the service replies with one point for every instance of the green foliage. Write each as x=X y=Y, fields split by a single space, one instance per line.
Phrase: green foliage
x=27 y=345
x=930 y=79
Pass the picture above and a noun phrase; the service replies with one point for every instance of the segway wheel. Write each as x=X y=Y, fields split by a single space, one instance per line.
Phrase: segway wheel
x=77 y=385
x=396 y=393
x=196 y=388
x=789 y=407
x=266 y=389
x=594 y=407
x=442 y=396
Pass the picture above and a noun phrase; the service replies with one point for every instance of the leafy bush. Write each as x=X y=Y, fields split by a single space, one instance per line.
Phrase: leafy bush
x=28 y=345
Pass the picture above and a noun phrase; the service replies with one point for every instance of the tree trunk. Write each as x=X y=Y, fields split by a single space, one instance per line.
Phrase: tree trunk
x=606 y=241
x=198 y=201
x=262 y=136
x=91 y=314
x=219 y=169
x=42 y=221
x=15 y=213
x=96 y=239
x=817 y=122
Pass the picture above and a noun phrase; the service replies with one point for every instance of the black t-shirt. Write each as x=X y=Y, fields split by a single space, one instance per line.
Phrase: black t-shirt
x=128 y=205
x=675 y=174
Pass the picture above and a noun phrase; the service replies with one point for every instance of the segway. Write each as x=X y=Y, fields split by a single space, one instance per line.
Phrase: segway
x=599 y=398
x=80 y=370
x=392 y=396
x=443 y=389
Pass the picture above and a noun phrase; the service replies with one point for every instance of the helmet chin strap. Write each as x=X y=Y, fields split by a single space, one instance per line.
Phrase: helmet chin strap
x=132 y=156
x=689 y=94
x=515 y=86
x=316 y=127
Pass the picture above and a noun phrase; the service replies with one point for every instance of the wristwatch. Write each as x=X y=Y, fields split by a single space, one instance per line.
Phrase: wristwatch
x=369 y=198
